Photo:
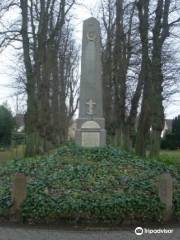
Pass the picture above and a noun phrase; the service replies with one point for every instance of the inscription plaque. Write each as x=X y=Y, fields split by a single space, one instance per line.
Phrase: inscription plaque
x=90 y=139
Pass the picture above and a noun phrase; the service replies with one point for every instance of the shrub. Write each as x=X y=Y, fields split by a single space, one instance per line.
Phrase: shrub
x=18 y=138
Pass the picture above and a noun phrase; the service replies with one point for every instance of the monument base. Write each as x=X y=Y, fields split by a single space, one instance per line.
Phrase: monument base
x=90 y=132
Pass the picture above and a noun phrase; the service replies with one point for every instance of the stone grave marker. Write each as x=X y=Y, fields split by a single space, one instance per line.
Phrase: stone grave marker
x=166 y=194
x=90 y=124
x=19 y=192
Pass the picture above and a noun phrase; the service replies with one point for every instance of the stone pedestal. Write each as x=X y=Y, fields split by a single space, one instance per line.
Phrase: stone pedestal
x=90 y=133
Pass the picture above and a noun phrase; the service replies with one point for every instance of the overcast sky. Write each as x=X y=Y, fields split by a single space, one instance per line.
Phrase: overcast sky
x=7 y=61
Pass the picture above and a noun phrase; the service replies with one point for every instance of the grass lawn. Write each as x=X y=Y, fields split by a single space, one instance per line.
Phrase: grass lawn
x=171 y=157
x=11 y=153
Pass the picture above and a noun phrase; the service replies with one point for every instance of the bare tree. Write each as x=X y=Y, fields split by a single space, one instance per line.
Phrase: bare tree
x=136 y=70
x=154 y=95
x=49 y=54
x=121 y=59
x=145 y=116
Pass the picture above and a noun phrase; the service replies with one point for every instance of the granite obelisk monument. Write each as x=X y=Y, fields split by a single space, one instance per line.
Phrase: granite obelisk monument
x=90 y=124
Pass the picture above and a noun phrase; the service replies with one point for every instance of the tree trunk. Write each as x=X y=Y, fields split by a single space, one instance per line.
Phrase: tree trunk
x=120 y=71
x=132 y=118
x=107 y=84
x=160 y=33
x=145 y=115
x=32 y=136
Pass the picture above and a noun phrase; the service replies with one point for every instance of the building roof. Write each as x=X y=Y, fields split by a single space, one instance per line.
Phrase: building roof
x=168 y=123
x=19 y=119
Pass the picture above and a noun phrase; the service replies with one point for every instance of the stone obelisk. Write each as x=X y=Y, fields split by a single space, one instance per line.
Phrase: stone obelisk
x=90 y=124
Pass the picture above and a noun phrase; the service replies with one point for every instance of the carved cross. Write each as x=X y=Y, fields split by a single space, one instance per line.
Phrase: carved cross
x=90 y=104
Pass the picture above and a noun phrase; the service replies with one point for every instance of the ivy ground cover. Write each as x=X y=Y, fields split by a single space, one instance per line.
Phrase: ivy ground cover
x=89 y=185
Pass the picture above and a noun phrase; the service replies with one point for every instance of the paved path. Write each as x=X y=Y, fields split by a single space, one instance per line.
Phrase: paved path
x=12 y=233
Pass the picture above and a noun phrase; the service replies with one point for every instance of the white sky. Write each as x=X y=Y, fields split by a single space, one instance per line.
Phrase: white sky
x=7 y=60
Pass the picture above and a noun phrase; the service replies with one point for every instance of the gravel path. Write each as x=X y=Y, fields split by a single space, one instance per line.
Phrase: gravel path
x=14 y=233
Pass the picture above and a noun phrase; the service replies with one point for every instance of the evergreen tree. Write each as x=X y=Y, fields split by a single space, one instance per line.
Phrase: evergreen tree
x=176 y=126
x=7 y=124
x=172 y=140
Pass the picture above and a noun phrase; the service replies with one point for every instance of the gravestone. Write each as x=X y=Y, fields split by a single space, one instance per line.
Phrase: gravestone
x=166 y=195
x=19 y=192
x=90 y=124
